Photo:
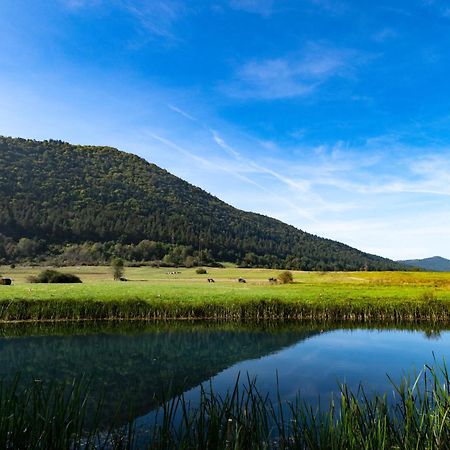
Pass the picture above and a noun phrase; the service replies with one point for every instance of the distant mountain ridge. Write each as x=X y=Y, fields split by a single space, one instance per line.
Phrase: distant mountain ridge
x=86 y=204
x=435 y=263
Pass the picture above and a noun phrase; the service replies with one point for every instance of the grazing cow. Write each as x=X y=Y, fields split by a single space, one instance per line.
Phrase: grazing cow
x=6 y=281
x=242 y=280
x=272 y=280
x=122 y=279
x=211 y=280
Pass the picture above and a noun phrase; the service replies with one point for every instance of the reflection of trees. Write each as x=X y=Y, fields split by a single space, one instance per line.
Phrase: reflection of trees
x=432 y=334
x=135 y=362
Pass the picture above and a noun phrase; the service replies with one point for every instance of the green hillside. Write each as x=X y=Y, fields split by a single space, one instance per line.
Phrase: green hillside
x=86 y=204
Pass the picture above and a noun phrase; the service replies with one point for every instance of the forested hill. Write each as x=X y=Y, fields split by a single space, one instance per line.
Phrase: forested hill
x=86 y=204
x=435 y=263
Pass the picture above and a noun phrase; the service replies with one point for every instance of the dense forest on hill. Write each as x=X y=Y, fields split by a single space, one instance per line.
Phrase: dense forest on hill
x=83 y=204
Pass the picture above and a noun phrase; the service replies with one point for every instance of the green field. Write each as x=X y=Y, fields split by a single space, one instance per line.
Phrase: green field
x=153 y=293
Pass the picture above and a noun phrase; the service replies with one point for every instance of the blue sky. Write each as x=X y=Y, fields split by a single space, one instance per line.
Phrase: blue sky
x=331 y=115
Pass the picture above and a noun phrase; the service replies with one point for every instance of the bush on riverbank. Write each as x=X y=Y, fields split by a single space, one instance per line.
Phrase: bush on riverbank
x=53 y=276
x=285 y=277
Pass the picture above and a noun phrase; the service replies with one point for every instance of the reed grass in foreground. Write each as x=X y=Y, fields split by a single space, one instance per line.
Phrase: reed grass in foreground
x=54 y=417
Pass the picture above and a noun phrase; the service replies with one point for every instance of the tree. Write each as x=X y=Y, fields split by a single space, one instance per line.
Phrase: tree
x=117 y=267
x=26 y=247
x=285 y=277
x=189 y=261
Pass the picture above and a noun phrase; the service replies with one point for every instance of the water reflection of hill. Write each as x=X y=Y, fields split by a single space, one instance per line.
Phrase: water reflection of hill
x=135 y=361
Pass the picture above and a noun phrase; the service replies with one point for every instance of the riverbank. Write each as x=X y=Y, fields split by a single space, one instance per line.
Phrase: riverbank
x=156 y=294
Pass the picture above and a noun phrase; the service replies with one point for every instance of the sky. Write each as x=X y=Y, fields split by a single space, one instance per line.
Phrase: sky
x=330 y=115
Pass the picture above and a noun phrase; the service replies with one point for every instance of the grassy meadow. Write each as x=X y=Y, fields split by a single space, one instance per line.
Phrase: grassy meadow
x=154 y=293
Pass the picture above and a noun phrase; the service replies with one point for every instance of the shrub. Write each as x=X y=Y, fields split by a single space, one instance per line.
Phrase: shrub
x=117 y=266
x=53 y=276
x=285 y=277
x=201 y=271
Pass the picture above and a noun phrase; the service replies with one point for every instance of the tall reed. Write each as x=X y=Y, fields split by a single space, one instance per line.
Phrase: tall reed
x=53 y=416
x=417 y=416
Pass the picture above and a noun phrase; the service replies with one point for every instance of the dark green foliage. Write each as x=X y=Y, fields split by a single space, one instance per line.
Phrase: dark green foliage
x=87 y=204
x=201 y=271
x=285 y=277
x=118 y=268
x=53 y=276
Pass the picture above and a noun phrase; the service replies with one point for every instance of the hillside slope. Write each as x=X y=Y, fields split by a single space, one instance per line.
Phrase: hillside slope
x=56 y=194
x=435 y=263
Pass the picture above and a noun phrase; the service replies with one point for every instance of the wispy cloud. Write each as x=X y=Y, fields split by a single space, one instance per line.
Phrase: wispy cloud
x=79 y=4
x=181 y=112
x=440 y=7
x=240 y=165
x=294 y=75
x=301 y=186
x=232 y=170
x=333 y=6
x=156 y=17
x=311 y=202
x=388 y=168
x=262 y=7
x=267 y=8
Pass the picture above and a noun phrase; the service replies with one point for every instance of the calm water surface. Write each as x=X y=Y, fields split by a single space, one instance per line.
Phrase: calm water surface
x=138 y=361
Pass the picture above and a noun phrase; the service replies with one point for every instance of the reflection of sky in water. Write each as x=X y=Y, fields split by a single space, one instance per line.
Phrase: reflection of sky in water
x=314 y=367
x=133 y=362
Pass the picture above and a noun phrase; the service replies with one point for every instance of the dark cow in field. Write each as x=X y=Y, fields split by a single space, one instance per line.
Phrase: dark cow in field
x=211 y=280
x=6 y=281
x=272 y=280
x=242 y=280
x=123 y=279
